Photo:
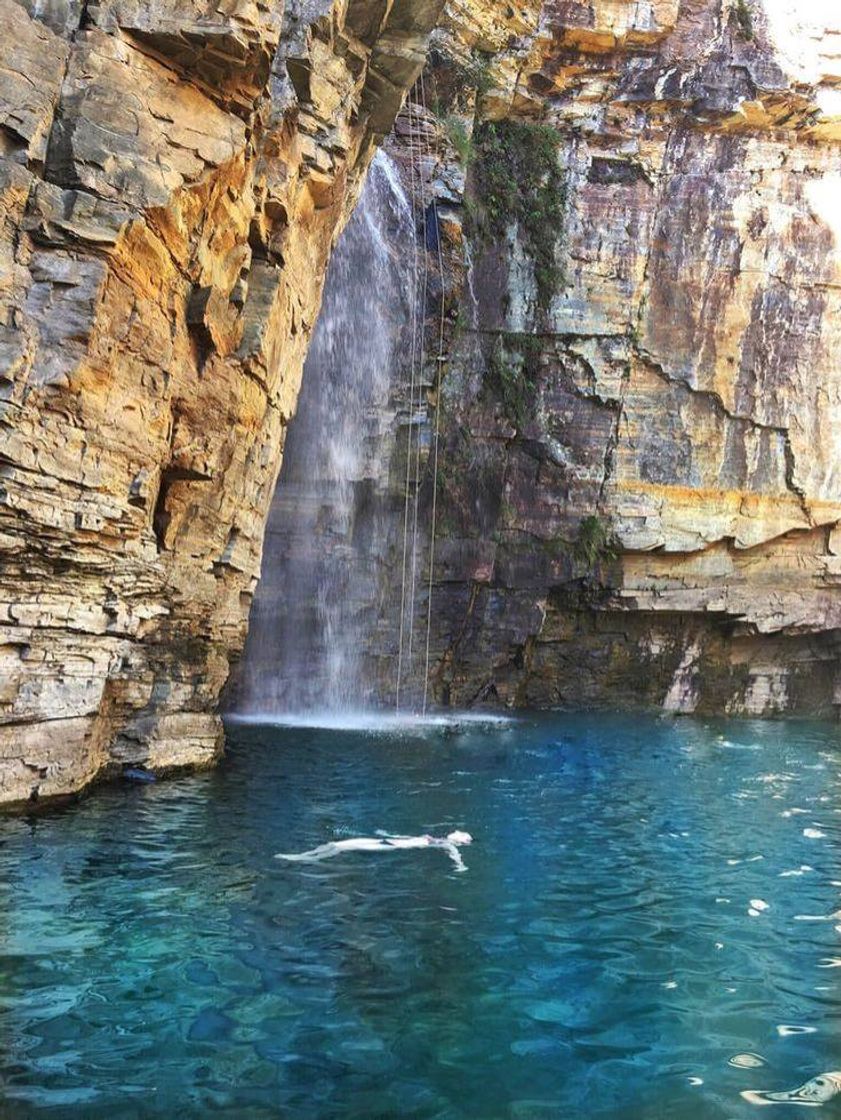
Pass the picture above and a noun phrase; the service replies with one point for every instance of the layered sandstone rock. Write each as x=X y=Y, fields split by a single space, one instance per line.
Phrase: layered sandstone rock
x=639 y=493
x=639 y=489
x=172 y=177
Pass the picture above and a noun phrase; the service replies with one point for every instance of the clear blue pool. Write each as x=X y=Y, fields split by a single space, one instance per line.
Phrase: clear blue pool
x=598 y=959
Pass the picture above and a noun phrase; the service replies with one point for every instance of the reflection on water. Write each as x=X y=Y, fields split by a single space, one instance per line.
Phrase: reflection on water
x=605 y=955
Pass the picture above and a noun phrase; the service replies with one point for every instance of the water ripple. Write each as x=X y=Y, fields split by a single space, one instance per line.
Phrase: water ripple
x=648 y=927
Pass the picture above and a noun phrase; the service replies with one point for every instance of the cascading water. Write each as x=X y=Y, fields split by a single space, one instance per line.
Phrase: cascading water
x=322 y=553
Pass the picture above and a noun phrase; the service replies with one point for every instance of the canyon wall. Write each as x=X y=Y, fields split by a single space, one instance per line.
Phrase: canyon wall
x=639 y=491
x=172 y=177
x=639 y=486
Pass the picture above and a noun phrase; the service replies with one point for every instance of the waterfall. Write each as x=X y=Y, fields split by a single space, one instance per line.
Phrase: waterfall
x=318 y=593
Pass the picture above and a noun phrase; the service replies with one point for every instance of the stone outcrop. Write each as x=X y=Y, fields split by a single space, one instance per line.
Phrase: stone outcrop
x=639 y=494
x=172 y=178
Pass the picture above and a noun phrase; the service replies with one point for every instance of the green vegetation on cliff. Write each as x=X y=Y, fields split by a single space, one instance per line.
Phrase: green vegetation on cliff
x=595 y=543
x=744 y=18
x=517 y=178
x=512 y=373
x=456 y=131
x=455 y=81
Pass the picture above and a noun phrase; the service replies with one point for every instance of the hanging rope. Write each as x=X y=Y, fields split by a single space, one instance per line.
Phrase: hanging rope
x=418 y=141
x=438 y=379
x=412 y=360
x=418 y=408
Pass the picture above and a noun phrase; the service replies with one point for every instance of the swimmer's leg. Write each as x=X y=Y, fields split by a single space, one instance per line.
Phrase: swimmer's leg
x=323 y=851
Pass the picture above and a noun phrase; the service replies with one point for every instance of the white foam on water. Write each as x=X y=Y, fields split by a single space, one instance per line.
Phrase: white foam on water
x=785 y=1029
x=372 y=722
x=813 y=834
x=757 y=905
x=695 y=1080
x=747 y=1061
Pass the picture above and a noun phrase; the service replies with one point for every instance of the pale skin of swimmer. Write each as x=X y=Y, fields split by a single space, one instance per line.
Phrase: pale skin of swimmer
x=811 y=1095
x=386 y=843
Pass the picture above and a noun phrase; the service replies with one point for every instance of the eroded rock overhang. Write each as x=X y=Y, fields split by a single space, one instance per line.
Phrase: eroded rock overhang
x=172 y=178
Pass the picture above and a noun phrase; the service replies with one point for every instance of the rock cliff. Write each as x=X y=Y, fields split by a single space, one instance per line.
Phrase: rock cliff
x=639 y=492
x=639 y=488
x=172 y=178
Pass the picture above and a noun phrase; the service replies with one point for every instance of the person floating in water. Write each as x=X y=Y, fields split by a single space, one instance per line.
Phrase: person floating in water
x=383 y=842
x=813 y=1094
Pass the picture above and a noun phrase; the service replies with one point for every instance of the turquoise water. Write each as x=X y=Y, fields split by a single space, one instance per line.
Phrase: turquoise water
x=598 y=958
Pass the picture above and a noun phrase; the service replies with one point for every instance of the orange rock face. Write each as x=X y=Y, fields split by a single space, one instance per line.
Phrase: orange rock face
x=171 y=182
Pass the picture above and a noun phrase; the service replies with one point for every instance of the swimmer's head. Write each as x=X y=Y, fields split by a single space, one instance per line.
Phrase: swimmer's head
x=459 y=838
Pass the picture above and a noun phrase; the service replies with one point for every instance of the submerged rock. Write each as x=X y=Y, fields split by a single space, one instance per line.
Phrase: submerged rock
x=138 y=774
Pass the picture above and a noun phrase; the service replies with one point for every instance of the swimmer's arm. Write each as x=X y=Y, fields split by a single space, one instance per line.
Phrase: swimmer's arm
x=455 y=855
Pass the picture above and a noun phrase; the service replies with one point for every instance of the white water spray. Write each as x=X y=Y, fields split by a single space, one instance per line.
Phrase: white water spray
x=319 y=587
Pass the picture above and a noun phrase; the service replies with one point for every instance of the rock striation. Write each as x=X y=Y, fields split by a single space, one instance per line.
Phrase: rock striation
x=172 y=178
x=639 y=492
x=639 y=495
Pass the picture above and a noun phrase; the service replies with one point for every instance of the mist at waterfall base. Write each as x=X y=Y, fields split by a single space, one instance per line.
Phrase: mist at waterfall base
x=323 y=558
x=647 y=928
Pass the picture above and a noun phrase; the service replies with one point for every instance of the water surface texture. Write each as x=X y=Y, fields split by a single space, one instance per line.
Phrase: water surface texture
x=649 y=926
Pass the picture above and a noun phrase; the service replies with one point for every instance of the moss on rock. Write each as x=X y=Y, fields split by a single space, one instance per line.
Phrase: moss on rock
x=512 y=373
x=517 y=178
